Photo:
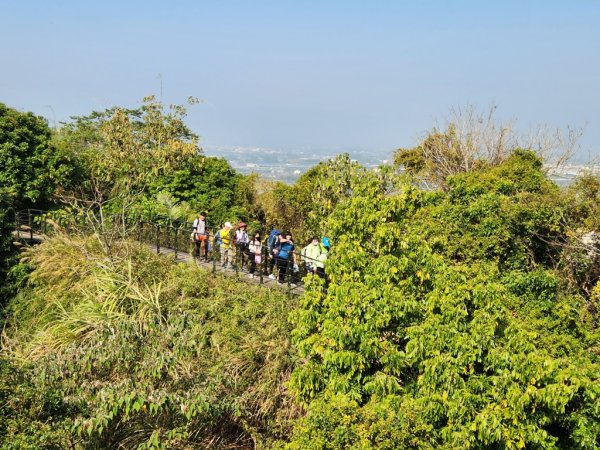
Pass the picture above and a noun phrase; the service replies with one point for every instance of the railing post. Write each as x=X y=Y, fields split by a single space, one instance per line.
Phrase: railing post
x=288 y=273
x=176 y=233
x=18 y=225
x=262 y=262
x=30 y=223
x=214 y=260
x=157 y=238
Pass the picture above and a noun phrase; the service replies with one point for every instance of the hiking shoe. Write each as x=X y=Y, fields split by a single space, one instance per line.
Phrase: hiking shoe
x=251 y=275
x=272 y=277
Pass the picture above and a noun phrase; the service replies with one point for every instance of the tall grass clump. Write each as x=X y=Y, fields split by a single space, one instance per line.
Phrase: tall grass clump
x=135 y=351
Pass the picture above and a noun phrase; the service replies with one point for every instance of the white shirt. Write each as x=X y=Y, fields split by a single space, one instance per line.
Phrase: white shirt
x=241 y=237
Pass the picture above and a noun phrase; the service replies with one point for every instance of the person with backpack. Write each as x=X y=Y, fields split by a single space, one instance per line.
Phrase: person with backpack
x=241 y=243
x=225 y=238
x=285 y=255
x=200 y=236
x=272 y=243
x=255 y=252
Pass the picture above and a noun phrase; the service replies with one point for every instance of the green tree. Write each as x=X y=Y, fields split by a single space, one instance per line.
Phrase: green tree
x=30 y=170
x=304 y=206
x=465 y=349
x=31 y=167
x=127 y=157
x=120 y=152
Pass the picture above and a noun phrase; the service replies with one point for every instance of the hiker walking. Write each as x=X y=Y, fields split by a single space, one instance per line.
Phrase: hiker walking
x=325 y=246
x=226 y=244
x=254 y=249
x=200 y=236
x=241 y=243
x=285 y=255
x=272 y=244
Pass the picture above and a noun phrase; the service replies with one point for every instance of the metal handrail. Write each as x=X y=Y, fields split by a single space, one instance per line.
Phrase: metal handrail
x=177 y=239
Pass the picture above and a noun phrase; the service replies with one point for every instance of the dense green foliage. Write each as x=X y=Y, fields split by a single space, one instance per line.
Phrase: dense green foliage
x=463 y=316
x=129 y=350
x=445 y=325
x=31 y=166
x=30 y=169
x=304 y=206
x=7 y=253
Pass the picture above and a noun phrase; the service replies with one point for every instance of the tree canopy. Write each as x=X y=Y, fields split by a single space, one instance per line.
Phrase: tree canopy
x=444 y=324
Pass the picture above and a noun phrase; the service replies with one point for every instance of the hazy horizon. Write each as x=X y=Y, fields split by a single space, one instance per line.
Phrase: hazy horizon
x=347 y=76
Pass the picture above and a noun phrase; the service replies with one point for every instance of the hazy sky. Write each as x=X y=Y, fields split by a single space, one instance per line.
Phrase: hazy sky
x=308 y=74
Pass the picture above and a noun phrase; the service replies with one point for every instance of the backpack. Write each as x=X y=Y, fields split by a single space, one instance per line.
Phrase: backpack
x=218 y=239
x=273 y=240
x=285 y=249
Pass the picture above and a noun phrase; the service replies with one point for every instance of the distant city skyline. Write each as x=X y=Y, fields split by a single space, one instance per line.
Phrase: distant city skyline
x=369 y=76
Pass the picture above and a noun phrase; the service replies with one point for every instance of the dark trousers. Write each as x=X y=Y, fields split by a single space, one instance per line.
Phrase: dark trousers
x=272 y=263
x=201 y=245
x=252 y=263
x=282 y=265
x=241 y=253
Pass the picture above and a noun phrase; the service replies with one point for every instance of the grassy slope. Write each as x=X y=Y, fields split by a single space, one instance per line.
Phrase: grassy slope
x=129 y=349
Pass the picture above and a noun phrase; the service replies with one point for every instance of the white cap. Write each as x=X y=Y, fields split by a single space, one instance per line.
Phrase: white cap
x=228 y=225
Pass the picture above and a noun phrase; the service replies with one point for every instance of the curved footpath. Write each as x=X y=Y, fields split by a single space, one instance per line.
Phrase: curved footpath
x=24 y=234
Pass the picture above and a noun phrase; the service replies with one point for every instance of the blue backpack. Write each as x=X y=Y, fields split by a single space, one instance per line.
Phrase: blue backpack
x=273 y=240
x=285 y=250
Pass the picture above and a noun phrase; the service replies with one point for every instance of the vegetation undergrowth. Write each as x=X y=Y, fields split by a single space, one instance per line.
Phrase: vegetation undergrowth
x=130 y=350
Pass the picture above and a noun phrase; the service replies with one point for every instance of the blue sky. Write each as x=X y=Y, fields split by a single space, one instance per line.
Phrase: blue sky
x=371 y=75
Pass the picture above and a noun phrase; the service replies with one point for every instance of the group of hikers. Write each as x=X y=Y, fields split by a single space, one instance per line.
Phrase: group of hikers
x=236 y=246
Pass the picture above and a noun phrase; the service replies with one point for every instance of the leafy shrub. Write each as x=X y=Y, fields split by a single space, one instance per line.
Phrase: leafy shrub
x=444 y=310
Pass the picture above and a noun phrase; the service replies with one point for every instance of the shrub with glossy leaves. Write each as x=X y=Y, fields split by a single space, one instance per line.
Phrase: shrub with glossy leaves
x=422 y=320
